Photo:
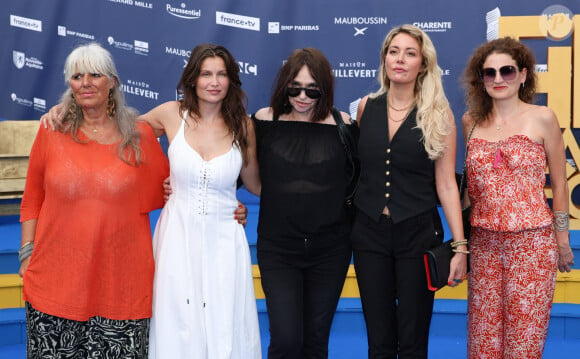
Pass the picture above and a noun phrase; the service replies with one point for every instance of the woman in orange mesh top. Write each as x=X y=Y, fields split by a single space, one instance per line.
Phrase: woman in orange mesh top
x=85 y=211
x=517 y=242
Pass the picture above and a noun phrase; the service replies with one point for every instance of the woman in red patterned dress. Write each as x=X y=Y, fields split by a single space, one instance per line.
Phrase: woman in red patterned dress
x=517 y=242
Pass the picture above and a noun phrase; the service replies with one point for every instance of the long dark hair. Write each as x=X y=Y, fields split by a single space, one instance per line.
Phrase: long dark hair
x=320 y=70
x=233 y=108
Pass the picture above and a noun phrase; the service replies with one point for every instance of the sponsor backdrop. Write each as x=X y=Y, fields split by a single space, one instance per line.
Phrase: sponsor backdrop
x=151 y=41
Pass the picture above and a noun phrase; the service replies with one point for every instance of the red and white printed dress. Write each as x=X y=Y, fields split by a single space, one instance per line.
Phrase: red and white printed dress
x=513 y=249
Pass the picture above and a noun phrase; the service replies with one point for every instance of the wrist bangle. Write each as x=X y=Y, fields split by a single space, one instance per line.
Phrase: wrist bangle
x=25 y=251
x=561 y=221
x=456 y=244
x=460 y=251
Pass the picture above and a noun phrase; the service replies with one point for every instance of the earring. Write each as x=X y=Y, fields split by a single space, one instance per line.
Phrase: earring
x=111 y=106
x=73 y=110
x=523 y=84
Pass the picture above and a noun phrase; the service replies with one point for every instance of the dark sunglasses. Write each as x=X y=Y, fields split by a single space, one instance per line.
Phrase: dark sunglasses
x=310 y=92
x=508 y=73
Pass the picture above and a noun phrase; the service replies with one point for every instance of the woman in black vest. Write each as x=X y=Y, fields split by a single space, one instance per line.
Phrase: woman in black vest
x=407 y=151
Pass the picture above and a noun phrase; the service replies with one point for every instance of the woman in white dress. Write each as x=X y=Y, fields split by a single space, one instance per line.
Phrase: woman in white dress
x=203 y=303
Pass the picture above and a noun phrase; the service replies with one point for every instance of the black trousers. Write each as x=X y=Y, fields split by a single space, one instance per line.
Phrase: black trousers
x=397 y=305
x=302 y=289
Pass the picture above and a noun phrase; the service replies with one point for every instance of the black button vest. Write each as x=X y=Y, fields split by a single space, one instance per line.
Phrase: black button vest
x=397 y=173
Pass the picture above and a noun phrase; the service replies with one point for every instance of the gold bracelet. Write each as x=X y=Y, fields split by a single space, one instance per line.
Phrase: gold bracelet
x=455 y=244
x=460 y=251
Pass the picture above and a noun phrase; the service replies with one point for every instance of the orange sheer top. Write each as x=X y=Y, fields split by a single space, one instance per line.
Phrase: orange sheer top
x=92 y=249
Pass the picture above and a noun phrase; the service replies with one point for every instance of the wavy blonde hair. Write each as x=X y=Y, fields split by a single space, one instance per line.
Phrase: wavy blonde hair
x=432 y=104
x=93 y=58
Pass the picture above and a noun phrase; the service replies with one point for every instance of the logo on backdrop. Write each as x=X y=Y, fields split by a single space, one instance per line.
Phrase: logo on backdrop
x=39 y=104
x=360 y=31
x=139 y=88
x=20 y=60
x=25 y=23
x=353 y=69
x=20 y=101
x=275 y=27
x=183 y=12
x=141 y=47
x=239 y=21
x=178 y=52
x=247 y=68
x=63 y=31
x=434 y=26
x=360 y=23
x=144 y=4
x=119 y=44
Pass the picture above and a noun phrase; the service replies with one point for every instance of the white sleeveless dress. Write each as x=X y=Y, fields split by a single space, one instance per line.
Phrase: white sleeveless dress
x=203 y=302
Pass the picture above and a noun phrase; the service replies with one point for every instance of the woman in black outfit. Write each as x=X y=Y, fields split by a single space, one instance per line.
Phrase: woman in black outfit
x=407 y=153
x=303 y=230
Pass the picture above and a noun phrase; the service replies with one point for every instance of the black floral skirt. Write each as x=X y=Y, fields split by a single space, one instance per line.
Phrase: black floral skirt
x=54 y=337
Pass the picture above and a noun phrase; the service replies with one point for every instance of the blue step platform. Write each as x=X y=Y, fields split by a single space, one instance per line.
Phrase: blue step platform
x=348 y=337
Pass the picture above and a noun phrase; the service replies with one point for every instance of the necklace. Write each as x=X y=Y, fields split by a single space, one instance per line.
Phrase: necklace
x=401 y=120
x=402 y=108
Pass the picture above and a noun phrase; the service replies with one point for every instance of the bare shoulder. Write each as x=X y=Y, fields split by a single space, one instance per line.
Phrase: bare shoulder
x=248 y=122
x=162 y=113
x=363 y=102
x=543 y=114
x=168 y=106
x=264 y=114
x=467 y=119
x=467 y=124
x=346 y=118
x=542 y=118
x=361 y=107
